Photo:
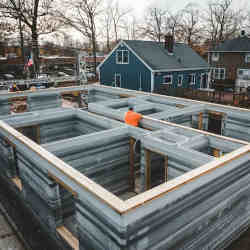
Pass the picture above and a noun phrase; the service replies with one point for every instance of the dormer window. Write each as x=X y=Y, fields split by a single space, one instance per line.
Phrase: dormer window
x=122 y=57
x=247 y=58
x=215 y=56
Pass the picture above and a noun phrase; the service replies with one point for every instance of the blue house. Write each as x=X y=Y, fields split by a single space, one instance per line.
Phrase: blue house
x=145 y=65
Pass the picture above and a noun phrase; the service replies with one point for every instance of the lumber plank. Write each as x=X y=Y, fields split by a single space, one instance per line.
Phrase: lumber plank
x=68 y=237
x=166 y=168
x=193 y=129
x=148 y=168
x=83 y=181
x=17 y=181
x=132 y=162
x=174 y=184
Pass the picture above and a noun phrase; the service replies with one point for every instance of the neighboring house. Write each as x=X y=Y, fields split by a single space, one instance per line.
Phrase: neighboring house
x=230 y=63
x=145 y=65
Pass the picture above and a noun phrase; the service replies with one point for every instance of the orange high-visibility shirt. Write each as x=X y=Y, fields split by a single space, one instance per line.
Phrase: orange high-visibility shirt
x=132 y=118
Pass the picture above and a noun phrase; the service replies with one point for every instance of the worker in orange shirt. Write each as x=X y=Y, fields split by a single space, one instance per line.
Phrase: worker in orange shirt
x=132 y=118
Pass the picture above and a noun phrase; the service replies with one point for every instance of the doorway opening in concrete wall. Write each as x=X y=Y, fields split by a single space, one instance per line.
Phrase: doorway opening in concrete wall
x=215 y=122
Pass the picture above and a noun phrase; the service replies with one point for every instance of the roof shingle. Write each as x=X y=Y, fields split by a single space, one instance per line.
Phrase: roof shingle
x=237 y=44
x=156 y=56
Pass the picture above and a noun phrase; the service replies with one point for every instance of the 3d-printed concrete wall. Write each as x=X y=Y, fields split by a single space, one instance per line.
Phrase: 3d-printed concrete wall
x=84 y=177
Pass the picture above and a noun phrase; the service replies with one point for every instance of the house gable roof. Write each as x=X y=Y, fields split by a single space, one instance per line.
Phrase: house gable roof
x=156 y=56
x=240 y=44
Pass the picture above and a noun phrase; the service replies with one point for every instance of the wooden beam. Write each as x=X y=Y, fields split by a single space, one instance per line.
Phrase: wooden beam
x=132 y=163
x=17 y=181
x=58 y=181
x=188 y=177
x=83 y=181
x=38 y=135
x=148 y=168
x=68 y=237
x=166 y=168
x=216 y=152
x=195 y=130
x=200 y=123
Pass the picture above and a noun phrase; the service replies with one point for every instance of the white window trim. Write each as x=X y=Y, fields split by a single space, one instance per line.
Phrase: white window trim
x=122 y=50
x=201 y=80
x=247 y=56
x=179 y=85
x=213 y=73
x=215 y=58
x=169 y=83
x=118 y=74
x=193 y=79
x=243 y=75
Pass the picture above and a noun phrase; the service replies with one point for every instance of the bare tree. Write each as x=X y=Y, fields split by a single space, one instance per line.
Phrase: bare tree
x=155 y=24
x=6 y=29
x=190 y=29
x=131 y=28
x=223 y=22
x=107 y=21
x=173 y=21
x=82 y=16
x=117 y=14
x=35 y=14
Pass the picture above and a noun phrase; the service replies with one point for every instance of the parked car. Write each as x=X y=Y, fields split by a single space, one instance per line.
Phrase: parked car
x=62 y=74
x=7 y=76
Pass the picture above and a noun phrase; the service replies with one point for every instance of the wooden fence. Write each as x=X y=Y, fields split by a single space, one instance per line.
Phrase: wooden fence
x=222 y=97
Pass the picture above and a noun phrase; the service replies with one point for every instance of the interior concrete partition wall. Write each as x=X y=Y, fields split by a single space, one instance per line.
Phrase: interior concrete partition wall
x=4 y=106
x=45 y=101
x=181 y=151
x=44 y=195
x=39 y=99
x=205 y=210
x=195 y=114
x=203 y=204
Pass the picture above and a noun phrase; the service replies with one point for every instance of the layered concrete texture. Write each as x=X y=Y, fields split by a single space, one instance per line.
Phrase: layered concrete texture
x=8 y=238
x=179 y=181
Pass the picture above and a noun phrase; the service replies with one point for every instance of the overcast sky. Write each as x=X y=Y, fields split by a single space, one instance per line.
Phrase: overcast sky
x=139 y=6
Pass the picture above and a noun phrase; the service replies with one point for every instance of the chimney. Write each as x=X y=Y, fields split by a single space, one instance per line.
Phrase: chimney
x=169 y=44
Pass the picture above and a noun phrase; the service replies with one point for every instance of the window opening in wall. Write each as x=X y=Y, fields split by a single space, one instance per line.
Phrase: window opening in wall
x=191 y=79
x=247 y=58
x=156 y=169
x=215 y=56
x=167 y=79
x=204 y=81
x=32 y=132
x=122 y=57
x=219 y=73
x=244 y=74
x=180 y=79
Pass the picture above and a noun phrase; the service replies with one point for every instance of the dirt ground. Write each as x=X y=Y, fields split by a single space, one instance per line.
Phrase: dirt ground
x=243 y=243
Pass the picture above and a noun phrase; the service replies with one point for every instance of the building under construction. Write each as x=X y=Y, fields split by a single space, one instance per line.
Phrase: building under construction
x=179 y=181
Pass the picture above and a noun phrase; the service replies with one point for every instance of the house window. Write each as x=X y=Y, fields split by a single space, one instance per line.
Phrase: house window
x=219 y=73
x=244 y=74
x=167 y=79
x=191 y=79
x=122 y=57
x=215 y=57
x=247 y=58
x=180 y=79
